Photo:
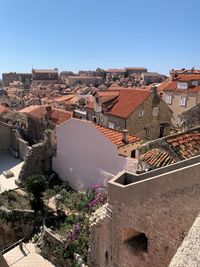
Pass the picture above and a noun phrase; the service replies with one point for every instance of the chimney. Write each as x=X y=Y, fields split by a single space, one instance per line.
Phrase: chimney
x=49 y=110
x=125 y=136
x=154 y=90
x=173 y=75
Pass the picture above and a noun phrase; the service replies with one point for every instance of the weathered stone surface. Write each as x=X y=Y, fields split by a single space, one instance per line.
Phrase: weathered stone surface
x=188 y=253
x=163 y=207
x=39 y=158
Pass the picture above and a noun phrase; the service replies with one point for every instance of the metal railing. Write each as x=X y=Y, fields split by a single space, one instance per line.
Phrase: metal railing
x=7 y=248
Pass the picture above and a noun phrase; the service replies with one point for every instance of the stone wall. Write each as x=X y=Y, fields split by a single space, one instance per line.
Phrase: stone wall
x=5 y=137
x=190 y=118
x=161 y=209
x=99 y=227
x=39 y=158
x=19 y=145
x=24 y=148
x=136 y=125
x=51 y=245
x=119 y=123
x=14 y=225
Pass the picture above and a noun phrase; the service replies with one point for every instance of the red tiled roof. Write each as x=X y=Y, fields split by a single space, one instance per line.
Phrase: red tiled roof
x=108 y=95
x=186 y=145
x=63 y=98
x=59 y=116
x=163 y=85
x=188 y=77
x=36 y=111
x=190 y=71
x=128 y=101
x=116 y=137
x=174 y=148
x=173 y=87
x=122 y=102
x=157 y=158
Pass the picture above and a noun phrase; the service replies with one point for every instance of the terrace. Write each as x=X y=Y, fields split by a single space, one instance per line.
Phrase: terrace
x=7 y=162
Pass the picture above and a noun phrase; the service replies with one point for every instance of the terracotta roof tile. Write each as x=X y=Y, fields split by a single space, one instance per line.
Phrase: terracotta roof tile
x=116 y=137
x=63 y=98
x=36 y=111
x=128 y=101
x=157 y=158
x=122 y=102
x=173 y=87
x=186 y=145
x=59 y=116
x=188 y=77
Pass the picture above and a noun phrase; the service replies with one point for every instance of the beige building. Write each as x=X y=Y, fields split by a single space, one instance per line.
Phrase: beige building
x=147 y=218
x=181 y=93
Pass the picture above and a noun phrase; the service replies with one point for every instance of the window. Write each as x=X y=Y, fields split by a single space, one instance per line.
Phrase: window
x=182 y=101
x=97 y=100
x=169 y=99
x=155 y=112
x=195 y=83
x=141 y=112
x=182 y=85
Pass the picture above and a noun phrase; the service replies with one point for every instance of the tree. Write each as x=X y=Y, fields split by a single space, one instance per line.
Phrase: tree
x=36 y=185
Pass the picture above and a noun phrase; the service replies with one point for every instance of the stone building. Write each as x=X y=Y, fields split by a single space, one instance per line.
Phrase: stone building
x=152 y=77
x=49 y=75
x=25 y=78
x=140 y=111
x=147 y=218
x=135 y=70
x=41 y=117
x=181 y=93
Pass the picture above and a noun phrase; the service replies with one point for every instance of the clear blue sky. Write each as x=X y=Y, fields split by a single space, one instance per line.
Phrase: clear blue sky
x=86 y=34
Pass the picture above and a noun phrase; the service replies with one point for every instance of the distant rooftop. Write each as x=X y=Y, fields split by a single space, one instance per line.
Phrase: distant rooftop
x=45 y=70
